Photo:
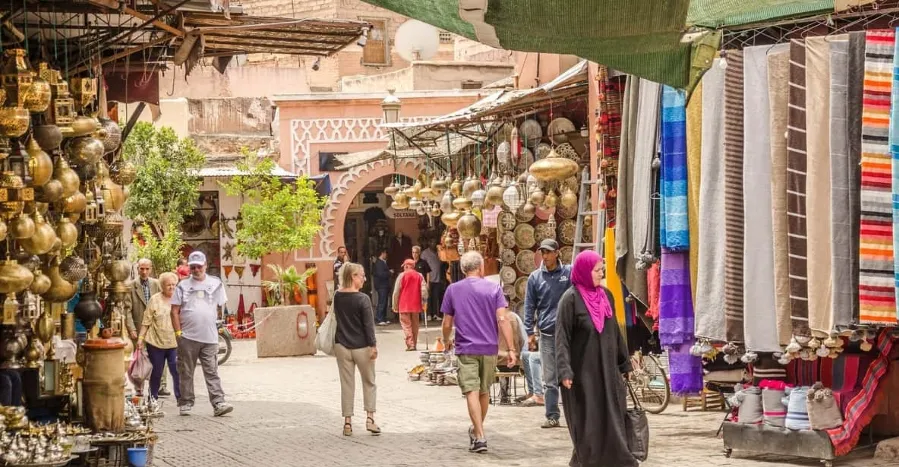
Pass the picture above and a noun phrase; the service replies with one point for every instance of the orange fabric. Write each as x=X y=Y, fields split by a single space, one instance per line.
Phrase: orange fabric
x=410 y=323
x=410 y=293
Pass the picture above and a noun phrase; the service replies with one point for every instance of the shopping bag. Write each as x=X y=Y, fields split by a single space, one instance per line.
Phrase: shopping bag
x=140 y=368
x=327 y=333
x=637 y=427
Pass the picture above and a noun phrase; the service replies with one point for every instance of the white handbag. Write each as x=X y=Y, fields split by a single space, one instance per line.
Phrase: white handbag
x=327 y=333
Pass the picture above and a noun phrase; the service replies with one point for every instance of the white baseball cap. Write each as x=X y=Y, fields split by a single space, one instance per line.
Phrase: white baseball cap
x=196 y=258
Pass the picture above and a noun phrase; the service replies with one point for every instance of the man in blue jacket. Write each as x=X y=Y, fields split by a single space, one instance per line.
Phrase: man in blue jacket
x=381 y=273
x=545 y=287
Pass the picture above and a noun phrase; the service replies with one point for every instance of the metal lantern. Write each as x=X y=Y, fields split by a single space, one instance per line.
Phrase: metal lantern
x=446 y=204
x=478 y=197
x=62 y=107
x=91 y=211
x=512 y=197
x=30 y=311
x=84 y=90
x=10 y=309
x=17 y=78
x=19 y=162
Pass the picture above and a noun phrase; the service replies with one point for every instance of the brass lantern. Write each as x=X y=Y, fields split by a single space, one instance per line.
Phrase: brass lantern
x=17 y=78
x=10 y=309
x=62 y=109
x=91 y=214
x=84 y=90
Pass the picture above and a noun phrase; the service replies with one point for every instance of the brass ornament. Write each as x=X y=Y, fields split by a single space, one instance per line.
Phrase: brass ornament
x=14 y=121
x=568 y=199
x=40 y=165
x=84 y=150
x=456 y=188
x=45 y=327
x=117 y=270
x=40 y=284
x=38 y=96
x=67 y=177
x=14 y=278
x=462 y=203
x=112 y=139
x=67 y=233
x=469 y=225
x=74 y=204
x=83 y=126
x=125 y=173
x=41 y=242
x=60 y=290
x=450 y=219
x=50 y=192
x=17 y=78
x=73 y=269
x=553 y=168
x=21 y=227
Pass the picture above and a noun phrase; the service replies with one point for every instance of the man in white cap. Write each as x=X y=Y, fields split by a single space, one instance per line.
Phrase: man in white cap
x=196 y=305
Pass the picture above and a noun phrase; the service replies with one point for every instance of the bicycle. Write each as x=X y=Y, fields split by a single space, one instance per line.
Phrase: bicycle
x=650 y=382
x=225 y=337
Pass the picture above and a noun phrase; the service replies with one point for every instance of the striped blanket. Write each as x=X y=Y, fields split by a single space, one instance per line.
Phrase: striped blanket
x=675 y=232
x=862 y=408
x=877 y=293
x=796 y=173
x=894 y=153
x=733 y=197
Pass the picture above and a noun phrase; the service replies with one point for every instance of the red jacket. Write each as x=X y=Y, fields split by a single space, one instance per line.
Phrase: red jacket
x=410 y=292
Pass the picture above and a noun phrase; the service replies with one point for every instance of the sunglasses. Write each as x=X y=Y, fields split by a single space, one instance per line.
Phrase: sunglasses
x=196 y=266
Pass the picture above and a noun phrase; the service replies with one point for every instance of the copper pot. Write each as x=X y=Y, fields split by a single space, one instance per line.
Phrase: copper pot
x=40 y=165
x=67 y=233
x=84 y=150
x=67 y=177
x=14 y=277
x=48 y=137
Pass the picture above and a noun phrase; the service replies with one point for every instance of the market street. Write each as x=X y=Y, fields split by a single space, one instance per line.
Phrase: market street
x=287 y=412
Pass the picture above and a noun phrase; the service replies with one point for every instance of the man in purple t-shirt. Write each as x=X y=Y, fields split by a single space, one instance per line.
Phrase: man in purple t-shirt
x=475 y=305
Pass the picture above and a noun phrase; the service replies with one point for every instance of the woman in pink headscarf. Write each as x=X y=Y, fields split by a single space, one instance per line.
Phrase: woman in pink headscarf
x=591 y=358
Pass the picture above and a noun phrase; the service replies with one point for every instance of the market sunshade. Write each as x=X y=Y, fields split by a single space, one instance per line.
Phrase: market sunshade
x=644 y=38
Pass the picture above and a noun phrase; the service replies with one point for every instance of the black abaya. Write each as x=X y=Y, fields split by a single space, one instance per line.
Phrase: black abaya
x=596 y=404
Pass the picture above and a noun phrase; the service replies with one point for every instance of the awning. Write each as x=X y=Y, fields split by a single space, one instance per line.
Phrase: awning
x=322 y=184
x=653 y=39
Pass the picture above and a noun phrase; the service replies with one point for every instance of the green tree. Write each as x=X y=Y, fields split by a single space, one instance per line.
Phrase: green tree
x=163 y=251
x=275 y=217
x=166 y=188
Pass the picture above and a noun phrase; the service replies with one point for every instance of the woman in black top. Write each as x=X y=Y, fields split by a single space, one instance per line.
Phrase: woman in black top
x=355 y=346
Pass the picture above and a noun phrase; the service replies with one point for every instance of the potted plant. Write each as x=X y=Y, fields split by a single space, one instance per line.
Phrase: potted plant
x=289 y=286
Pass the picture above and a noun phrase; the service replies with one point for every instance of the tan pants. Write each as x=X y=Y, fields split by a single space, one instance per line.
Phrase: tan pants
x=347 y=362
x=410 y=323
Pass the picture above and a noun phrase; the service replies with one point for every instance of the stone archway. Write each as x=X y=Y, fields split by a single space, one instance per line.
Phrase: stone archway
x=345 y=190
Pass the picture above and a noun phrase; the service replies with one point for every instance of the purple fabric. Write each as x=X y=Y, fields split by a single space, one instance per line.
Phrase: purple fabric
x=676 y=323
x=594 y=297
x=472 y=302
x=158 y=359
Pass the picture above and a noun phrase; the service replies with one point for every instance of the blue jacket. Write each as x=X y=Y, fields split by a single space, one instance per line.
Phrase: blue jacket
x=381 y=275
x=544 y=290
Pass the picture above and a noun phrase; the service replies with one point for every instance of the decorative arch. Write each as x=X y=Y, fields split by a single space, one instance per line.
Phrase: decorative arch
x=348 y=186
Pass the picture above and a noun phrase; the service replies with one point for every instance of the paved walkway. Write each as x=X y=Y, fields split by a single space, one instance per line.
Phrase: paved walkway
x=287 y=413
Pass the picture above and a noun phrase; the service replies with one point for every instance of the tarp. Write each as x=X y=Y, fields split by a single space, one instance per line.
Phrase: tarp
x=653 y=39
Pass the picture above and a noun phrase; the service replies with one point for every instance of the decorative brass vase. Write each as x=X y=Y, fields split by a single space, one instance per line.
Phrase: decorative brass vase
x=74 y=204
x=60 y=290
x=67 y=233
x=553 y=168
x=84 y=150
x=40 y=165
x=43 y=239
x=14 y=121
x=14 y=277
x=48 y=137
x=83 y=126
x=67 y=177
x=469 y=226
x=45 y=327
x=38 y=96
x=117 y=270
x=40 y=284
x=450 y=219
x=21 y=227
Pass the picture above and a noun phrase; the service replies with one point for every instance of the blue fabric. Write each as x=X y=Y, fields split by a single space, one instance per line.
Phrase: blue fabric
x=550 y=376
x=544 y=290
x=533 y=372
x=675 y=234
x=894 y=155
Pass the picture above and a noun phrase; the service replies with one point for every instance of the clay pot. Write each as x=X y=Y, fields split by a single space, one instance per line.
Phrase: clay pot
x=48 y=137
x=14 y=277
x=40 y=165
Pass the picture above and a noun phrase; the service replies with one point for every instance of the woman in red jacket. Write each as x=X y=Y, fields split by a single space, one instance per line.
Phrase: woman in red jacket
x=410 y=295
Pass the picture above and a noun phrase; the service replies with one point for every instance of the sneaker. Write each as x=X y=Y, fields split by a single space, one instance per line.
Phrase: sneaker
x=550 y=423
x=383 y=323
x=222 y=408
x=471 y=437
x=479 y=446
x=185 y=409
x=164 y=392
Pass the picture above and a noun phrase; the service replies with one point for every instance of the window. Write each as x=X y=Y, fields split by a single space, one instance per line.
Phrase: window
x=470 y=84
x=446 y=37
x=327 y=161
x=376 y=51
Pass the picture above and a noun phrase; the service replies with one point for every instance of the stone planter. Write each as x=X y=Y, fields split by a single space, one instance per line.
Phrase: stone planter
x=285 y=331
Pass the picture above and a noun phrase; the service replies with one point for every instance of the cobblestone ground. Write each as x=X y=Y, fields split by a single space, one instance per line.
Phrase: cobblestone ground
x=287 y=413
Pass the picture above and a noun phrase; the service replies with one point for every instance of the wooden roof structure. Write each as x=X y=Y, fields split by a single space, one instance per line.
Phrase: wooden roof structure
x=80 y=35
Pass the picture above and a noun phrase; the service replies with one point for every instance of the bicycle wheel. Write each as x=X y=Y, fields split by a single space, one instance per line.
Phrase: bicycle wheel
x=224 y=349
x=650 y=383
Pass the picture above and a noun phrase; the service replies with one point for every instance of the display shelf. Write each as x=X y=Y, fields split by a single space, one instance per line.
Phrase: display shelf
x=812 y=444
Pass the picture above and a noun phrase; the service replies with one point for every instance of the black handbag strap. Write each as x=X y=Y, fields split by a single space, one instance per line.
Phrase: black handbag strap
x=630 y=389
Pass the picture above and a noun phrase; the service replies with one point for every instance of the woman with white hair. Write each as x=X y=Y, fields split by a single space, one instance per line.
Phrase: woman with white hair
x=159 y=334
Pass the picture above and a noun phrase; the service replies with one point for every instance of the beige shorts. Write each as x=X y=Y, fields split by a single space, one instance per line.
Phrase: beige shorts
x=476 y=372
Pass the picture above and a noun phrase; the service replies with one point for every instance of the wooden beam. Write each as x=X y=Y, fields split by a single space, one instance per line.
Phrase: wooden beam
x=124 y=53
x=111 y=4
x=132 y=120
x=239 y=43
x=158 y=23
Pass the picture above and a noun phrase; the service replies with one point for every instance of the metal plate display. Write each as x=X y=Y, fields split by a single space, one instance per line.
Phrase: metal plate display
x=565 y=254
x=508 y=275
x=566 y=213
x=507 y=239
x=507 y=256
x=544 y=231
x=506 y=220
x=524 y=236
x=522 y=216
x=521 y=286
x=525 y=261
x=566 y=231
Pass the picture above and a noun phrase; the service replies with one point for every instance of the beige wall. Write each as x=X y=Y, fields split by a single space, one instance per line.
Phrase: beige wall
x=530 y=75
x=429 y=75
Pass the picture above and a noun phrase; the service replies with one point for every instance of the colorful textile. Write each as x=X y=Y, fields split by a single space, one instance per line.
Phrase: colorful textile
x=877 y=293
x=779 y=95
x=863 y=406
x=796 y=172
x=818 y=186
x=709 y=307
x=894 y=153
x=855 y=105
x=653 y=281
x=684 y=370
x=675 y=229
x=797 y=408
x=774 y=412
x=733 y=197
x=594 y=297
x=760 y=332
x=613 y=282
x=694 y=172
x=675 y=304
x=609 y=108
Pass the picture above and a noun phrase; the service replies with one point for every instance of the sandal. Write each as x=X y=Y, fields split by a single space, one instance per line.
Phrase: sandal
x=372 y=427
x=347 y=429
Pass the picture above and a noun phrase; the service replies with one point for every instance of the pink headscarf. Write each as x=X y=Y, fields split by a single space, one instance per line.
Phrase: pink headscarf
x=594 y=297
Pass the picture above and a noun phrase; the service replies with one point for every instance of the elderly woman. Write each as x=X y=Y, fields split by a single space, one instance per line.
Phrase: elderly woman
x=409 y=298
x=159 y=335
x=355 y=346
x=592 y=359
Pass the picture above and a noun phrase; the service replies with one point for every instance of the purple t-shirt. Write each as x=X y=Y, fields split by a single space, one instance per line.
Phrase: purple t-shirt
x=472 y=302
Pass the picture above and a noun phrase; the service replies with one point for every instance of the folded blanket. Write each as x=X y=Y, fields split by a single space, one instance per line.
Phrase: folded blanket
x=774 y=412
x=796 y=401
